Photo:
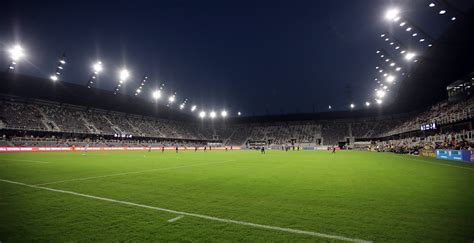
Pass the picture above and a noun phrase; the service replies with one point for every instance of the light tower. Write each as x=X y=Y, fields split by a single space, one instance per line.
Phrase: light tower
x=140 y=87
x=59 y=68
x=96 y=69
x=124 y=74
x=16 y=54
x=393 y=16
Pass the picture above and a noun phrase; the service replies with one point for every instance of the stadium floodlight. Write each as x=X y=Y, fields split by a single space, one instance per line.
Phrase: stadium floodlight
x=432 y=5
x=172 y=98
x=239 y=114
x=181 y=106
x=352 y=106
x=442 y=11
x=156 y=94
x=193 y=108
x=224 y=113
x=409 y=56
x=392 y=14
x=54 y=77
x=16 y=53
x=202 y=114
x=390 y=78
x=380 y=93
x=97 y=67
x=124 y=74
x=367 y=103
x=453 y=18
x=379 y=101
x=212 y=114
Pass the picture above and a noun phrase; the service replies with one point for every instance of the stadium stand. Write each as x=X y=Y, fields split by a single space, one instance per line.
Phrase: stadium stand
x=56 y=118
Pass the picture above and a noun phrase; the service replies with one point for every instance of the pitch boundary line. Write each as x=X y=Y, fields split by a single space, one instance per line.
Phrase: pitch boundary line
x=202 y=216
x=429 y=162
x=26 y=160
x=130 y=173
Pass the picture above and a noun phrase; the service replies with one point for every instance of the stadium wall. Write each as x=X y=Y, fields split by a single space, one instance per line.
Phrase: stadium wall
x=82 y=149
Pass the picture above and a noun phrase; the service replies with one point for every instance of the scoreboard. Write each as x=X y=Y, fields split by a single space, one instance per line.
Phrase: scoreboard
x=428 y=126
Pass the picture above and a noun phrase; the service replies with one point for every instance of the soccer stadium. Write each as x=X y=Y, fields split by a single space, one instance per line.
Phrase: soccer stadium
x=266 y=121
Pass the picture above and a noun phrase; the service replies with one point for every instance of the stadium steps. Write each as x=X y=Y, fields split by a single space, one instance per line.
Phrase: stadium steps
x=48 y=123
x=89 y=125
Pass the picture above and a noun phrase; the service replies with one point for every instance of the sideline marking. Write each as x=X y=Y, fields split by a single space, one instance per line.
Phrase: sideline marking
x=132 y=172
x=202 y=216
x=429 y=162
x=26 y=160
x=176 y=219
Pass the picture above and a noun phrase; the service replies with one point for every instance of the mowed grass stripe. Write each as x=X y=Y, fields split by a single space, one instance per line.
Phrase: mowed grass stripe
x=424 y=160
x=230 y=221
x=24 y=160
x=132 y=172
x=375 y=196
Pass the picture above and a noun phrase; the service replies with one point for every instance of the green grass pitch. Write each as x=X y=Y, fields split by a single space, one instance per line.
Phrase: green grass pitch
x=234 y=196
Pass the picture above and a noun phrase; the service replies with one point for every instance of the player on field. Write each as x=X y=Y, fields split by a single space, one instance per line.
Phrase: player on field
x=262 y=150
x=333 y=149
x=176 y=149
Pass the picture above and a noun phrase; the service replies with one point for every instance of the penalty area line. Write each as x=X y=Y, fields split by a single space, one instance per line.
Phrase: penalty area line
x=201 y=216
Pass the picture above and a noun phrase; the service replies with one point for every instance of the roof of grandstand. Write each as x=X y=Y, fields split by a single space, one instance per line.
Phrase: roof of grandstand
x=63 y=92
x=449 y=59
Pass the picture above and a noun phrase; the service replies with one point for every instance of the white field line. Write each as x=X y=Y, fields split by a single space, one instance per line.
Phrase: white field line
x=429 y=162
x=131 y=172
x=229 y=221
x=176 y=219
x=25 y=160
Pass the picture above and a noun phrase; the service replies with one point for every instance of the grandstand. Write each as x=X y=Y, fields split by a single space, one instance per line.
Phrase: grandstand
x=80 y=162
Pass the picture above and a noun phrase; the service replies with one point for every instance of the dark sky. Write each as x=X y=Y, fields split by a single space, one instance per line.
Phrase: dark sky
x=252 y=56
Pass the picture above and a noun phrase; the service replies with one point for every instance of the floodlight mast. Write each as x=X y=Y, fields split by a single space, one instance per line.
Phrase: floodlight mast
x=97 y=68
x=140 y=87
x=383 y=54
x=59 y=68
x=224 y=113
x=448 y=6
x=393 y=15
x=17 y=53
x=124 y=74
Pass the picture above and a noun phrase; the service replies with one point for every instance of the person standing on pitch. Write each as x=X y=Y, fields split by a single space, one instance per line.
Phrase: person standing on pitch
x=176 y=149
x=162 y=149
x=85 y=149
x=262 y=150
x=333 y=149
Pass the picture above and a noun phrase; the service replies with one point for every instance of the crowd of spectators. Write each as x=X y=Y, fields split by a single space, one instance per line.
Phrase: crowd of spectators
x=55 y=117
x=455 y=141
x=441 y=113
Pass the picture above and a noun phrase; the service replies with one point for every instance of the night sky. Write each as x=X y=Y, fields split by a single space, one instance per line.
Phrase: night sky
x=257 y=57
